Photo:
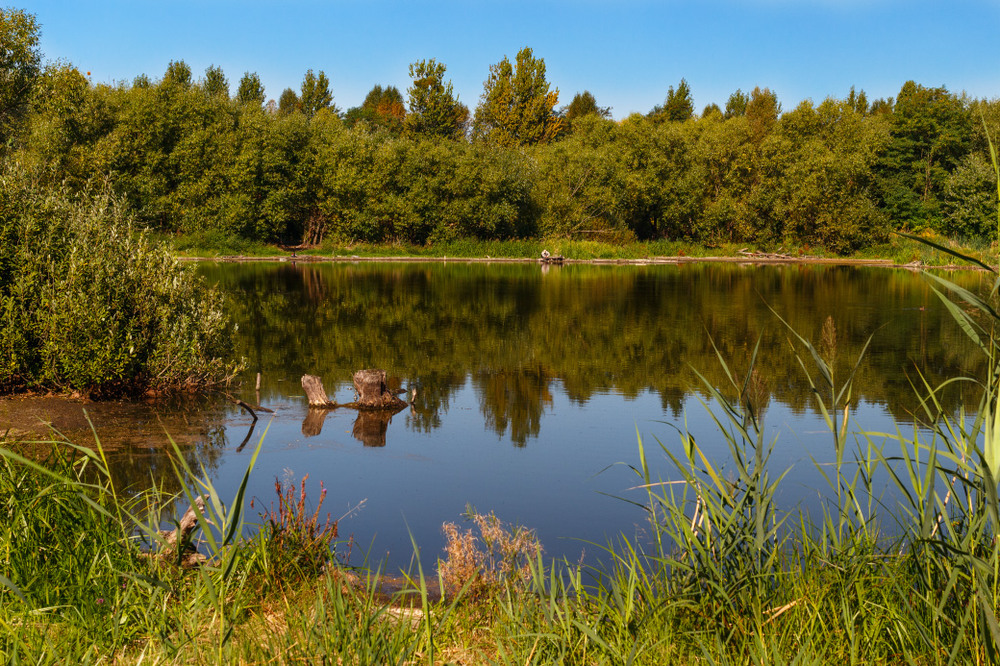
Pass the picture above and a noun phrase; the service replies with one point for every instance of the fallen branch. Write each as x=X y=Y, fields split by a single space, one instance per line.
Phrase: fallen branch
x=249 y=408
x=178 y=546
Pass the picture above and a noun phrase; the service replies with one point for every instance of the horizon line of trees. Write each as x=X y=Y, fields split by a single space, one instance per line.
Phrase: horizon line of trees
x=192 y=156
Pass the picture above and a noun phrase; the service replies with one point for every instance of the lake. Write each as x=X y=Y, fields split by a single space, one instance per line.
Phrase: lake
x=532 y=384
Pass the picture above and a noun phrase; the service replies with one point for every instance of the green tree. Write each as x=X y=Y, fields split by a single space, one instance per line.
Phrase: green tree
x=434 y=108
x=858 y=101
x=678 y=105
x=20 y=66
x=762 y=112
x=383 y=107
x=711 y=109
x=315 y=94
x=517 y=107
x=288 y=102
x=931 y=129
x=737 y=104
x=178 y=73
x=585 y=104
x=216 y=84
x=250 y=90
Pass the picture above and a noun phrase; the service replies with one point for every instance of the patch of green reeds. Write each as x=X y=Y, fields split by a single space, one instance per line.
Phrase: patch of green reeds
x=88 y=576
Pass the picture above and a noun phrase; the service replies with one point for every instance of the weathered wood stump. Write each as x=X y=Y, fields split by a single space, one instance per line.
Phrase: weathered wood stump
x=373 y=392
x=370 y=385
x=315 y=393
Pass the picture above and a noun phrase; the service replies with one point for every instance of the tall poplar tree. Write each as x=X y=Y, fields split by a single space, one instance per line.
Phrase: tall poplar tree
x=517 y=107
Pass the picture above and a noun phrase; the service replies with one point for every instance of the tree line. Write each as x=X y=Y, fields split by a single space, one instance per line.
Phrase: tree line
x=188 y=154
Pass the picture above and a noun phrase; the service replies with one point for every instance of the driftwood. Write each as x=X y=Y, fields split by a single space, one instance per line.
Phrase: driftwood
x=764 y=255
x=180 y=538
x=252 y=409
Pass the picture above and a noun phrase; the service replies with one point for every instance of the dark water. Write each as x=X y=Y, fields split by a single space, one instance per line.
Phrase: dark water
x=531 y=385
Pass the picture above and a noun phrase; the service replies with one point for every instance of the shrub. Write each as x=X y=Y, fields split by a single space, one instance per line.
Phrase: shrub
x=89 y=304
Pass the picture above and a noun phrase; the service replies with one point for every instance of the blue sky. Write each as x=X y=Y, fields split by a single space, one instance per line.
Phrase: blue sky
x=627 y=53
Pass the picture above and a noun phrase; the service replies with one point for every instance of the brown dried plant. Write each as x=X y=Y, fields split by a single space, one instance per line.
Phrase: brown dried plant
x=499 y=556
x=293 y=533
x=828 y=341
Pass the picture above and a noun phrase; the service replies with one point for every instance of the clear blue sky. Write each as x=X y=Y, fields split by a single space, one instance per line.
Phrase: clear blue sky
x=627 y=52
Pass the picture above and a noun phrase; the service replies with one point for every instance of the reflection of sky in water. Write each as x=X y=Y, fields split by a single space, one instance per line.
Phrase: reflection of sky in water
x=559 y=485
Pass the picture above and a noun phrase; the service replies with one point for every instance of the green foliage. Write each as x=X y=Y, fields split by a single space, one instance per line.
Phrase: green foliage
x=375 y=187
x=382 y=108
x=250 y=90
x=584 y=104
x=434 y=108
x=678 y=105
x=288 y=102
x=930 y=137
x=315 y=94
x=762 y=111
x=20 y=66
x=736 y=105
x=215 y=84
x=189 y=162
x=858 y=101
x=88 y=304
x=178 y=74
x=517 y=107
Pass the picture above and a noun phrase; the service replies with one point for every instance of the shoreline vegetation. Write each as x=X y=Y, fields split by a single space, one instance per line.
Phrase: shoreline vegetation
x=900 y=253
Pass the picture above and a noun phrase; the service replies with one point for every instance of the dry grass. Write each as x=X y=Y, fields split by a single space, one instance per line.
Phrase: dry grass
x=501 y=555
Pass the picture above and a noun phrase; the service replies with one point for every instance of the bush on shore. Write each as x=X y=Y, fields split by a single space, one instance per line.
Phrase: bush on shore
x=90 y=304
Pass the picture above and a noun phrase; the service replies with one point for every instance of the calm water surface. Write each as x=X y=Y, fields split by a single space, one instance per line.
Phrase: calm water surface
x=530 y=385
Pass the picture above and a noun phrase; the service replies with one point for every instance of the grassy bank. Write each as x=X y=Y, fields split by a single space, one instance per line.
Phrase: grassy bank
x=898 y=250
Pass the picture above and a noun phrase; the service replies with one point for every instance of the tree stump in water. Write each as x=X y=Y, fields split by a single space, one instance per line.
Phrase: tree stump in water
x=373 y=392
x=315 y=393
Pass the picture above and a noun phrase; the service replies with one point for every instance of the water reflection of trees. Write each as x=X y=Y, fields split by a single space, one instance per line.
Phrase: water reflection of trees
x=593 y=328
